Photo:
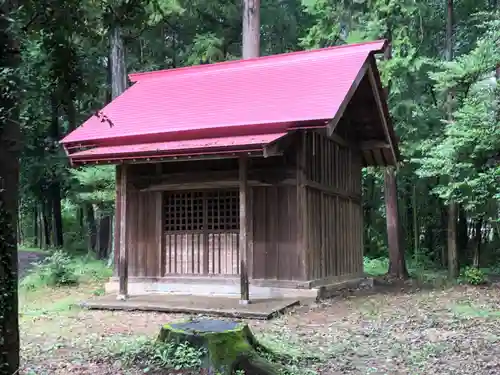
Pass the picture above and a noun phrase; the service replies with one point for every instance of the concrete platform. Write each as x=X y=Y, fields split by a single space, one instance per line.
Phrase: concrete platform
x=261 y=308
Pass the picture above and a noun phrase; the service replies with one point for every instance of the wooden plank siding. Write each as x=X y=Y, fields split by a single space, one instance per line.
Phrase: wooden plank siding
x=276 y=254
x=304 y=216
x=330 y=197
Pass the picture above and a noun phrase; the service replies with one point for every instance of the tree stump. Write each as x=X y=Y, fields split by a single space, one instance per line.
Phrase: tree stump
x=230 y=346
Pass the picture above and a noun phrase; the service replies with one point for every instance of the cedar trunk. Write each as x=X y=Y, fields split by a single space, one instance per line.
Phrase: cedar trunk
x=250 y=49
x=397 y=265
x=9 y=183
x=453 y=266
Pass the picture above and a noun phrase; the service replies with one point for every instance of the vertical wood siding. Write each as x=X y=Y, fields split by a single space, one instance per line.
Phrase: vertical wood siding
x=276 y=254
x=331 y=200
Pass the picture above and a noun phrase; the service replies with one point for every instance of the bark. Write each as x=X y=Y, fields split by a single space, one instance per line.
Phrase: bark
x=476 y=260
x=35 y=226
x=251 y=29
x=118 y=75
x=9 y=185
x=453 y=266
x=397 y=264
x=416 y=231
x=462 y=233
x=46 y=225
x=250 y=49
x=91 y=227
x=103 y=237
x=55 y=186
x=118 y=66
x=55 y=196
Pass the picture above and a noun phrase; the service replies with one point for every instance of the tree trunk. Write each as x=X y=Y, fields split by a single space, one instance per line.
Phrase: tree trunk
x=453 y=266
x=46 y=226
x=56 y=210
x=476 y=260
x=416 y=231
x=35 y=226
x=462 y=235
x=118 y=66
x=55 y=186
x=118 y=76
x=91 y=227
x=397 y=264
x=103 y=237
x=251 y=29
x=9 y=185
x=250 y=49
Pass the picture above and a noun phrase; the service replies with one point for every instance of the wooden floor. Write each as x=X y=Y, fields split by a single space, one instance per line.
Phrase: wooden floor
x=188 y=304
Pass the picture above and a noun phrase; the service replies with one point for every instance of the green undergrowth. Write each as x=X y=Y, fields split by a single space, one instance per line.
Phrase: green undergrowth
x=152 y=356
x=426 y=273
x=61 y=269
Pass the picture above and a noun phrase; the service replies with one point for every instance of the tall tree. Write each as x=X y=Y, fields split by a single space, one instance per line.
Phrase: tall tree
x=453 y=267
x=250 y=49
x=397 y=264
x=9 y=181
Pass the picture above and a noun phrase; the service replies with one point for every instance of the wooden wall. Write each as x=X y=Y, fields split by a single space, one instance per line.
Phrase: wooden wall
x=306 y=225
x=144 y=230
x=276 y=254
x=329 y=182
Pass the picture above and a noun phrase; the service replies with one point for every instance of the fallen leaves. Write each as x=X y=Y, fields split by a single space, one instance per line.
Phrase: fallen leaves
x=453 y=331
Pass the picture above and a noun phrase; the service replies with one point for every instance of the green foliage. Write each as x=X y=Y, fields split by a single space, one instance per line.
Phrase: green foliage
x=60 y=269
x=95 y=185
x=149 y=354
x=473 y=276
x=375 y=267
x=55 y=270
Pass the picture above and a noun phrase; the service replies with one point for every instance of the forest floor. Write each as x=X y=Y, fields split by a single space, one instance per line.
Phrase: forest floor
x=26 y=258
x=397 y=330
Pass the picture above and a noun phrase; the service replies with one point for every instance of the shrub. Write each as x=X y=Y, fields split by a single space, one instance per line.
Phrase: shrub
x=473 y=276
x=59 y=269
x=55 y=270
x=376 y=267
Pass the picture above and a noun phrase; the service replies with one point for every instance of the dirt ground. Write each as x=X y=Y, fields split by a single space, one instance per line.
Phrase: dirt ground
x=452 y=331
x=26 y=259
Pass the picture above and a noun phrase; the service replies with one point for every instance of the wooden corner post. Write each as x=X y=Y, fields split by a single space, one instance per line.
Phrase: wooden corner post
x=123 y=257
x=244 y=288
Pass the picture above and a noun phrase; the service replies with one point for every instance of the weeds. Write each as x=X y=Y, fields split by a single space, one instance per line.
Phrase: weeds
x=153 y=355
x=473 y=276
x=59 y=269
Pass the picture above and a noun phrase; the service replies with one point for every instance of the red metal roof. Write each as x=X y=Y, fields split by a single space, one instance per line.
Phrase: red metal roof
x=176 y=148
x=269 y=92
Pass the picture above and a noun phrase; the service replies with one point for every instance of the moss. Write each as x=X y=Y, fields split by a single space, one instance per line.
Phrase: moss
x=227 y=351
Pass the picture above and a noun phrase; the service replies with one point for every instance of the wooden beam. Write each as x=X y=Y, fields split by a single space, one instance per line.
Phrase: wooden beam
x=243 y=169
x=213 y=179
x=375 y=144
x=383 y=119
x=123 y=258
x=332 y=124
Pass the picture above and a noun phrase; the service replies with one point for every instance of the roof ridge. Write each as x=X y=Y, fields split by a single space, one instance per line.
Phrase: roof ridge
x=134 y=77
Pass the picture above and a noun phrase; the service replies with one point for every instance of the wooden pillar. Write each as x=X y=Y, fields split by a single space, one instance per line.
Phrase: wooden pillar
x=123 y=258
x=243 y=172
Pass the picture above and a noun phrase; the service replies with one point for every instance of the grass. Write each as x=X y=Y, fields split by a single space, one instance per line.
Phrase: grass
x=416 y=333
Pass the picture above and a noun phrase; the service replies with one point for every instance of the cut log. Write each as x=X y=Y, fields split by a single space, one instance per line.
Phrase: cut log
x=229 y=346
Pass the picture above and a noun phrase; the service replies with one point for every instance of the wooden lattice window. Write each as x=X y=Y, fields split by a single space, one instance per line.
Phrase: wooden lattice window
x=216 y=210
